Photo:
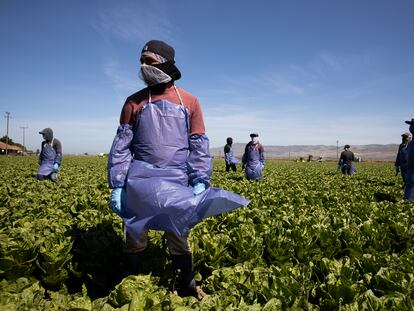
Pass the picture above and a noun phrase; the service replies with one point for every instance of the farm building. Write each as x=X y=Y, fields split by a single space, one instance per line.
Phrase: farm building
x=11 y=149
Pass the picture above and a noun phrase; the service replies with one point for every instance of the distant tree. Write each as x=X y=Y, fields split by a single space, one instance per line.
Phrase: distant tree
x=6 y=140
x=10 y=141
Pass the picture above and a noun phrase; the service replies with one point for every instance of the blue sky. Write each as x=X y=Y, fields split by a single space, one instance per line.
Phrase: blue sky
x=296 y=72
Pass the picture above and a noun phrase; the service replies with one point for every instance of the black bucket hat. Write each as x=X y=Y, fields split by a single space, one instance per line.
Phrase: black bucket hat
x=410 y=122
x=160 y=48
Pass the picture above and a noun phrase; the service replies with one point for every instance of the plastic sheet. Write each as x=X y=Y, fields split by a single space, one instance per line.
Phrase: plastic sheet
x=230 y=158
x=166 y=163
x=155 y=203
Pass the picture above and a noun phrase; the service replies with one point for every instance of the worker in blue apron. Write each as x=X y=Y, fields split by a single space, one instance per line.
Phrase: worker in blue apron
x=409 y=183
x=345 y=163
x=160 y=171
x=157 y=188
x=229 y=157
x=253 y=158
x=401 y=161
x=50 y=157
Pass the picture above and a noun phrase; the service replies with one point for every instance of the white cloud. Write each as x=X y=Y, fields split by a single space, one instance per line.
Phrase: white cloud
x=279 y=127
x=330 y=61
x=283 y=86
x=332 y=97
x=124 y=81
x=135 y=21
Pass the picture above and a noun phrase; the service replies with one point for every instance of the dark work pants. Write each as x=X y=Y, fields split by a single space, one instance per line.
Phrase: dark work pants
x=232 y=166
x=51 y=176
x=346 y=170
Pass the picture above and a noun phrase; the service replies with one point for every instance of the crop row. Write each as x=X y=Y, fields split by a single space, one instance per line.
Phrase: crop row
x=310 y=239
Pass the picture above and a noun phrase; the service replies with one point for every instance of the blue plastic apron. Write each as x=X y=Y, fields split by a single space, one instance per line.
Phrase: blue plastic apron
x=48 y=155
x=409 y=183
x=230 y=158
x=158 y=195
x=254 y=168
x=404 y=162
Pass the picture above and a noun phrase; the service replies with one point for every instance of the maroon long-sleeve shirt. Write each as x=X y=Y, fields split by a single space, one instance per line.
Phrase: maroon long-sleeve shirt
x=135 y=102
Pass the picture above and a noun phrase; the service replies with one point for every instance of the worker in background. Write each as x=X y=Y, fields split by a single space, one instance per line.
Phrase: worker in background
x=229 y=157
x=401 y=162
x=50 y=157
x=162 y=147
x=345 y=161
x=409 y=182
x=253 y=158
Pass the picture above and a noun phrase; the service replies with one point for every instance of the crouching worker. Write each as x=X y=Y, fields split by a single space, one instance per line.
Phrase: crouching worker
x=50 y=157
x=253 y=158
x=409 y=181
x=159 y=167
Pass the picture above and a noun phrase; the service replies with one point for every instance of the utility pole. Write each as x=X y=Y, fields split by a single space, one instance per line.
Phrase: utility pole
x=7 y=116
x=24 y=146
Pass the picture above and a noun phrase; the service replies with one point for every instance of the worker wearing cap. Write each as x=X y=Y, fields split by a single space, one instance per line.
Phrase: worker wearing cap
x=253 y=158
x=345 y=161
x=229 y=157
x=409 y=184
x=50 y=157
x=159 y=167
x=401 y=162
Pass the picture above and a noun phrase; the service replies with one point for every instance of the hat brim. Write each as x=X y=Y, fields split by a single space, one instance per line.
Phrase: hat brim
x=410 y=122
x=177 y=74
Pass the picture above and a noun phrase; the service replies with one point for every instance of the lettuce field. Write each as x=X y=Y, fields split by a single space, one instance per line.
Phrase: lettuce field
x=311 y=239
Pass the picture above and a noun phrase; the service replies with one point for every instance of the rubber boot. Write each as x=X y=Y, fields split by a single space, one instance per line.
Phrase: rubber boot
x=183 y=267
x=130 y=264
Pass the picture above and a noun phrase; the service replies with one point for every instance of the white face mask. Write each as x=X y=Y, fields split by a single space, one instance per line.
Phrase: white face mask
x=152 y=75
x=255 y=140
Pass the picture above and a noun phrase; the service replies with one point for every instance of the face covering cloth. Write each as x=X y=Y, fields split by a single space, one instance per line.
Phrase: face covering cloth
x=152 y=75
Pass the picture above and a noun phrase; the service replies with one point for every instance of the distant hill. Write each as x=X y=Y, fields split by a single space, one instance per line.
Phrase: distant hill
x=365 y=152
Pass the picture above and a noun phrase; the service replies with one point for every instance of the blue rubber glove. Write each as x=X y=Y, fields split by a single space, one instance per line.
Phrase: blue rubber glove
x=55 y=167
x=198 y=188
x=117 y=200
